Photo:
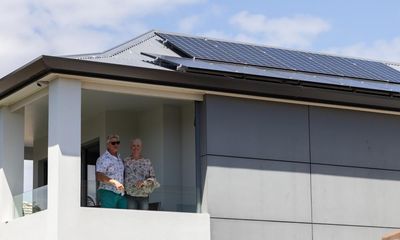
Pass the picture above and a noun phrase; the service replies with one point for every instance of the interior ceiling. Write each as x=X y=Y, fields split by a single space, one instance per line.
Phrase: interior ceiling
x=93 y=103
x=96 y=102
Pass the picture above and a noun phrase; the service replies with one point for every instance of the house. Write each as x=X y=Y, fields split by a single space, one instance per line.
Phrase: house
x=247 y=141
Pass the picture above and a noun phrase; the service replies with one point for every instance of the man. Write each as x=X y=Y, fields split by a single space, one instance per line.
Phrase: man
x=110 y=174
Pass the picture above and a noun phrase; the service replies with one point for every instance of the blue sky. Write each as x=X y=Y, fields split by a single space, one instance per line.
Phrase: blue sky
x=365 y=29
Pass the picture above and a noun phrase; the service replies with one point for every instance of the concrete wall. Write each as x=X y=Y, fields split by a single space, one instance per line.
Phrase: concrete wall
x=282 y=171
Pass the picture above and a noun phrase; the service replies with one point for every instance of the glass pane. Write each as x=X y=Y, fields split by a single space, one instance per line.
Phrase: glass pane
x=30 y=202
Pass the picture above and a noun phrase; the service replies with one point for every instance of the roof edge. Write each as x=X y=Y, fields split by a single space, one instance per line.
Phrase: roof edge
x=268 y=87
x=23 y=76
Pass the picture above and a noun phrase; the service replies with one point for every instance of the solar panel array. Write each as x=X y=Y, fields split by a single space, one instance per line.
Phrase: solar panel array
x=188 y=64
x=254 y=55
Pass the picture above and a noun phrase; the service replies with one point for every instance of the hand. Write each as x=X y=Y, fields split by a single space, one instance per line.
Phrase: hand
x=139 y=184
x=118 y=185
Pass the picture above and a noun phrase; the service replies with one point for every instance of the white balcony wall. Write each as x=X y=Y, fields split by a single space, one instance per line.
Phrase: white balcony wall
x=32 y=227
x=103 y=224
x=133 y=224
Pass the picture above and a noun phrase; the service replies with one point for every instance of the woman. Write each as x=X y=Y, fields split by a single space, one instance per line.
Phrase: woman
x=139 y=177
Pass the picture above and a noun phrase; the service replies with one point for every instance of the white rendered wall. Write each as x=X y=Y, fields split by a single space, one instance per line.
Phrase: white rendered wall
x=32 y=227
x=6 y=201
x=11 y=160
x=133 y=224
x=64 y=157
x=105 y=224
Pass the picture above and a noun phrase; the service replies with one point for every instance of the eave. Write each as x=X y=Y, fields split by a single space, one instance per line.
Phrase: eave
x=247 y=85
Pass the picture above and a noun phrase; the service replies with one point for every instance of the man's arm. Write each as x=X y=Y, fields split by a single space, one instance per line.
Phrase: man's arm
x=101 y=177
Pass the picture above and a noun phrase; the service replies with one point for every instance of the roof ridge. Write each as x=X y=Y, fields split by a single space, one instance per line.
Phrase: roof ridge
x=117 y=49
x=132 y=43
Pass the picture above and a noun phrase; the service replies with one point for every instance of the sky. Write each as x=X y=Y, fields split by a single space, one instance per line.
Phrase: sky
x=356 y=28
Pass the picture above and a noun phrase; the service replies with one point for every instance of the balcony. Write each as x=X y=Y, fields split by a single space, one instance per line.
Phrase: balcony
x=63 y=175
x=98 y=223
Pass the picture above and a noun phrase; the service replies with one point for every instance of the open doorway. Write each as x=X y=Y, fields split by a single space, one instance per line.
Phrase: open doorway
x=90 y=151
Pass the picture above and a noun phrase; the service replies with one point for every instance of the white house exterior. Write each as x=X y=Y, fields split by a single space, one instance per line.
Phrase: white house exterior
x=254 y=153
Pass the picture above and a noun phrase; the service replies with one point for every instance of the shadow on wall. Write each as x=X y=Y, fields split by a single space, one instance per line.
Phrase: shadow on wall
x=298 y=167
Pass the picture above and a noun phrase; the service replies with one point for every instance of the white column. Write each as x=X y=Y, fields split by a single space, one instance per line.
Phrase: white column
x=11 y=160
x=64 y=156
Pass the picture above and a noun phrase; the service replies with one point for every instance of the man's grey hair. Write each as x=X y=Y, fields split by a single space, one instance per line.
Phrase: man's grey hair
x=111 y=136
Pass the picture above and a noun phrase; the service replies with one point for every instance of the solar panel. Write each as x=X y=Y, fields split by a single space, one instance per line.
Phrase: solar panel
x=229 y=52
x=192 y=65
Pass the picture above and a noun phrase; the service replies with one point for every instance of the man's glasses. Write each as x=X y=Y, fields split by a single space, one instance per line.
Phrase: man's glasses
x=115 y=143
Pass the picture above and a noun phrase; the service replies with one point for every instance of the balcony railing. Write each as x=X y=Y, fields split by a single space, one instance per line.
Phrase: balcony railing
x=30 y=202
x=175 y=198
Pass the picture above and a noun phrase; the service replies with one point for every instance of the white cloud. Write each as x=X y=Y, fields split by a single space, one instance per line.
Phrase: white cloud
x=296 y=31
x=187 y=24
x=31 y=28
x=216 y=34
x=388 y=50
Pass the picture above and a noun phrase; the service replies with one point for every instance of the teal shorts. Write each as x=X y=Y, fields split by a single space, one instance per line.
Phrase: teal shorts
x=110 y=199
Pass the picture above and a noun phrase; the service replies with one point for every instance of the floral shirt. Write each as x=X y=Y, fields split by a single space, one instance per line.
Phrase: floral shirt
x=137 y=170
x=112 y=167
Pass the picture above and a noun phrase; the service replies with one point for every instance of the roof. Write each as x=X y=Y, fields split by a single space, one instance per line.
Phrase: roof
x=163 y=58
x=129 y=53
x=161 y=50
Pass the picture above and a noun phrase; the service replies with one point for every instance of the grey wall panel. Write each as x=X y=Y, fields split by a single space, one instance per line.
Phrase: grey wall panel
x=331 y=232
x=257 y=129
x=355 y=196
x=224 y=229
x=354 y=138
x=258 y=189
